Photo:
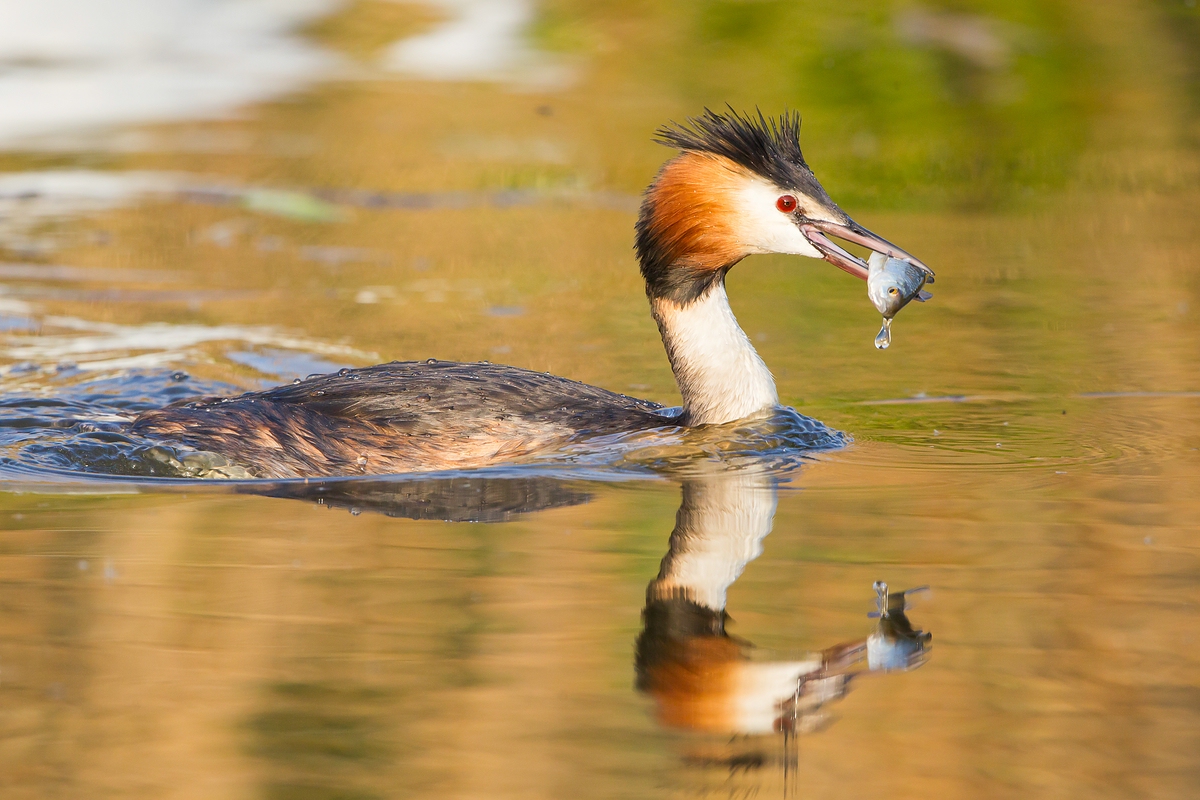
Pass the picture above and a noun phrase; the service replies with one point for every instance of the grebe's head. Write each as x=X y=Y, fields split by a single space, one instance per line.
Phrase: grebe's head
x=740 y=186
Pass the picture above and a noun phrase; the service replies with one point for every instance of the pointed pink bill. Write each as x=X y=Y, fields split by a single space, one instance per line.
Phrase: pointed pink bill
x=815 y=230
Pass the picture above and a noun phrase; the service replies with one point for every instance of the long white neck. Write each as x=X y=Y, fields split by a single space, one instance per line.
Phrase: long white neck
x=720 y=375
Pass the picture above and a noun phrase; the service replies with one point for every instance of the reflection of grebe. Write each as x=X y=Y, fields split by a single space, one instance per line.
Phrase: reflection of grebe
x=739 y=187
x=703 y=679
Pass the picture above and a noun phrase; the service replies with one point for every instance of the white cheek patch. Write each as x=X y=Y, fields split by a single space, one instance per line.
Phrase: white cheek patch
x=761 y=227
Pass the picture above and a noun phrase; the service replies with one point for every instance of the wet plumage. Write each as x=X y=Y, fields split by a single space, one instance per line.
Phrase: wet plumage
x=399 y=417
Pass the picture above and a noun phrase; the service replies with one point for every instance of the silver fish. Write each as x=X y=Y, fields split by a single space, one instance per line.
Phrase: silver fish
x=891 y=285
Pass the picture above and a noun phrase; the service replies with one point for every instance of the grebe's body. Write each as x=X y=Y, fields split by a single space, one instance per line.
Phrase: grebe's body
x=739 y=187
x=408 y=416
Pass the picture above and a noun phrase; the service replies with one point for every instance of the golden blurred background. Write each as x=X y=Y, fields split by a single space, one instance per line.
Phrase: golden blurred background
x=321 y=184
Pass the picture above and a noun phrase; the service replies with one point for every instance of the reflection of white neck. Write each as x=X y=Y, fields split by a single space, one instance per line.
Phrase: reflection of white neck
x=720 y=376
x=720 y=527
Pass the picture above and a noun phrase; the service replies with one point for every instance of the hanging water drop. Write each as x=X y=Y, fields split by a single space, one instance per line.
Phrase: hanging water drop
x=884 y=337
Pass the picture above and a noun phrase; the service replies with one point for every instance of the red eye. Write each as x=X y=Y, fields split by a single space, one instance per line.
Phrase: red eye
x=786 y=203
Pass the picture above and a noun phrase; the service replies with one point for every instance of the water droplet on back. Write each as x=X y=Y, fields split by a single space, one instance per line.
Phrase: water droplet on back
x=431 y=361
x=343 y=372
x=884 y=337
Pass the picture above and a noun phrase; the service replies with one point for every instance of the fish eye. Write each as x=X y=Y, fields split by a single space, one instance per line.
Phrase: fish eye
x=893 y=291
x=786 y=203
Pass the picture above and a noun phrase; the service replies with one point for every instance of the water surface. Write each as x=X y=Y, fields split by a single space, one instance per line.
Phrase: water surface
x=1028 y=447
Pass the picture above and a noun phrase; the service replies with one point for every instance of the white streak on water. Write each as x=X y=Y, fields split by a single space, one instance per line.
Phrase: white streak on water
x=29 y=198
x=482 y=40
x=34 y=195
x=67 y=65
x=74 y=72
x=102 y=345
x=53 y=193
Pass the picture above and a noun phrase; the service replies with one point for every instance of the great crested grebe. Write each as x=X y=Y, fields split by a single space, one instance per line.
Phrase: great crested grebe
x=740 y=186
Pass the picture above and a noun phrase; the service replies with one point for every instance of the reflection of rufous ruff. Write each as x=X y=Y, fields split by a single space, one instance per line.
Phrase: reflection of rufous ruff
x=699 y=676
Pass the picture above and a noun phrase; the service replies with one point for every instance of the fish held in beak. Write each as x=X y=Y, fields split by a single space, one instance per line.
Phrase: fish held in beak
x=894 y=277
x=892 y=284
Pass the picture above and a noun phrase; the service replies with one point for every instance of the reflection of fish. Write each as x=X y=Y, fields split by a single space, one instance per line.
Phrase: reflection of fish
x=891 y=285
x=895 y=645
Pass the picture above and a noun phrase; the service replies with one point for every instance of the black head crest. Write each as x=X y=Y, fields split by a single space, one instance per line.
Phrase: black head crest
x=767 y=147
